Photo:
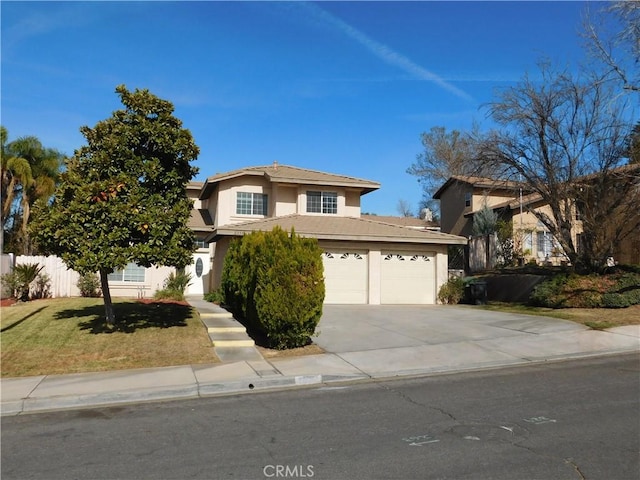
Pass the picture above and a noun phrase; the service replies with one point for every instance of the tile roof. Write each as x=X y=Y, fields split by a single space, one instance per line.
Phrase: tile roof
x=200 y=220
x=326 y=227
x=479 y=182
x=288 y=174
x=411 y=222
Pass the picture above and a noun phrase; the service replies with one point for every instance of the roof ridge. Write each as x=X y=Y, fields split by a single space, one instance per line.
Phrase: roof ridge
x=272 y=171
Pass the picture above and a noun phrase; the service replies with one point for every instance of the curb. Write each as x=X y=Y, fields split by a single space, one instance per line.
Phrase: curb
x=70 y=402
x=260 y=384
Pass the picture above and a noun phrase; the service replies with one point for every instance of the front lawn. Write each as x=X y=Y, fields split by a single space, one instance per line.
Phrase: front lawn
x=67 y=335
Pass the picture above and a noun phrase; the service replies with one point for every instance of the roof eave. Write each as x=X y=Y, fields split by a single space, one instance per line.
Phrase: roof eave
x=446 y=240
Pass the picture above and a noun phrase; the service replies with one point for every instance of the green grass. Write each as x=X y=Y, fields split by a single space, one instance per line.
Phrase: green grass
x=68 y=335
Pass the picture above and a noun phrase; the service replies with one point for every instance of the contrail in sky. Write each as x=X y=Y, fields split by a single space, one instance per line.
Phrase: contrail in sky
x=385 y=53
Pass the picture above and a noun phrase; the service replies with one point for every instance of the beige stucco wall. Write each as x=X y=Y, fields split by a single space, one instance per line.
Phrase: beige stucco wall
x=220 y=250
x=226 y=204
x=285 y=200
x=352 y=203
x=154 y=278
x=452 y=210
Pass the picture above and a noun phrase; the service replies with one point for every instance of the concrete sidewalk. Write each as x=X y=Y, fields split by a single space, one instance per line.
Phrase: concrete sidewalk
x=416 y=341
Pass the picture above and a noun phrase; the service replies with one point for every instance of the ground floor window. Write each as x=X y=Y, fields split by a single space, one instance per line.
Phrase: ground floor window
x=130 y=273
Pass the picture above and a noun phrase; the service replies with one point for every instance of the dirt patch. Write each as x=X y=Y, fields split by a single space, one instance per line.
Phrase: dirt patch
x=5 y=302
x=150 y=301
x=311 y=349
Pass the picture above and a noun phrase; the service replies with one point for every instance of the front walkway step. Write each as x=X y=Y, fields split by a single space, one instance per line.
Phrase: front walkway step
x=240 y=329
x=221 y=323
x=231 y=339
x=216 y=315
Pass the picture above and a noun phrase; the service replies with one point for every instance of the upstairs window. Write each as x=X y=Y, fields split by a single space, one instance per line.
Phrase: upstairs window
x=200 y=243
x=467 y=199
x=130 y=273
x=248 y=203
x=322 y=202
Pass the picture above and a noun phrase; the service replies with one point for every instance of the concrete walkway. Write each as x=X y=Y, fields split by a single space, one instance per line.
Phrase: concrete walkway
x=361 y=342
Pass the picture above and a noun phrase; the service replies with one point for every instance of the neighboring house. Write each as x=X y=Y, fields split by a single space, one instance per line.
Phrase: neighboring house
x=462 y=197
x=366 y=260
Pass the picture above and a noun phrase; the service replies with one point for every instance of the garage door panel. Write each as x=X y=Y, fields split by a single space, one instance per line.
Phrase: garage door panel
x=407 y=278
x=346 y=277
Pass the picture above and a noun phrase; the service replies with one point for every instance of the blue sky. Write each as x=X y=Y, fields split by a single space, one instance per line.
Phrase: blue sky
x=343 y=87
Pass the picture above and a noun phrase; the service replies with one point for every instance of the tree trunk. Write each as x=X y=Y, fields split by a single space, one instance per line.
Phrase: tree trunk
x=26 y=212
x=108 y=305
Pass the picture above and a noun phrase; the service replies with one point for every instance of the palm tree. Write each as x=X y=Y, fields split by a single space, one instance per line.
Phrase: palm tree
x=31 y=173
x=15 y=173
x=45 y=167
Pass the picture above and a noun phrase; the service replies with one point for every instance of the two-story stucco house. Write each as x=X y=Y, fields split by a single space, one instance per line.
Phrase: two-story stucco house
x=366 y=261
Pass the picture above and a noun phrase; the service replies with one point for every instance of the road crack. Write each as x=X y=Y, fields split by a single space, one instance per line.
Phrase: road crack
x=567 y=461
x=410 y=400
x=575 y=467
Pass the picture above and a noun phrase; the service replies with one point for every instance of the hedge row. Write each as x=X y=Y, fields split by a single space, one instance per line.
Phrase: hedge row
x=274 y=282
x=618 y=290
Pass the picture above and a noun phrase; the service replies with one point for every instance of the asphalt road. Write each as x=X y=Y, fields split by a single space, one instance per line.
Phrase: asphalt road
x=565 y=420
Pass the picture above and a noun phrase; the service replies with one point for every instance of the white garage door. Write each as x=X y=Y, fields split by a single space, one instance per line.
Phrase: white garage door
x=407 y=278
x=345 y=277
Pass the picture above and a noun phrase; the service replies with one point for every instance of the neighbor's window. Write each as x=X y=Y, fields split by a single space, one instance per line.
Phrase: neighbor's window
x=131 y=273
x=322 y=202
x=544 y=243
x=467 y=199
x=248 y=203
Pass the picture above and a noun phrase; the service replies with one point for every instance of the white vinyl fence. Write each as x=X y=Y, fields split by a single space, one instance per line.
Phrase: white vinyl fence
x=63 y=280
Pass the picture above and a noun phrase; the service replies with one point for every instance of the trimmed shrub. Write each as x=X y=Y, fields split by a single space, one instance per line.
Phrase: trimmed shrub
x=614 y=290
x=452 y=292
x=89 y=285
x=11 y=283
x=274 y=282
x=547 y=293
x=214 y=297
x=615 y=300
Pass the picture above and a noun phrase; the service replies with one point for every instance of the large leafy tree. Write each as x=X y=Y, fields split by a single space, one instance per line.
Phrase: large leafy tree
x=29 y=172
x=123 y=196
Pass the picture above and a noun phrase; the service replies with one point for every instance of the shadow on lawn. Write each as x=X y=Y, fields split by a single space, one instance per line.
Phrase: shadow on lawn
x=18 y=322
x=130 y=317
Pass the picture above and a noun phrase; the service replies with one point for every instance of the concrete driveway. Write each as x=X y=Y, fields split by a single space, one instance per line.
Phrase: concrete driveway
x=350 y=328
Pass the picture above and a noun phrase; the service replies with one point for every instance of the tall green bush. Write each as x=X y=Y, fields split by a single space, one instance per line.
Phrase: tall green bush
x=89 y=285
x=274 y=281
